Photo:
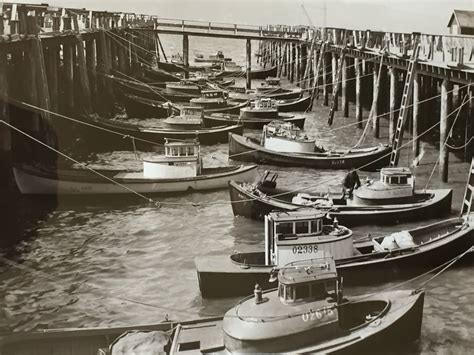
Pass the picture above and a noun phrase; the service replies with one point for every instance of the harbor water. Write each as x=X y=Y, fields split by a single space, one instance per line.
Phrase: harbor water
x=95 y=261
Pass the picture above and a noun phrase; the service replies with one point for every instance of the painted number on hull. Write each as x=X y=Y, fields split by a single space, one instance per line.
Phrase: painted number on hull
x=317 y=315
x=338 y=162
x=305 y=249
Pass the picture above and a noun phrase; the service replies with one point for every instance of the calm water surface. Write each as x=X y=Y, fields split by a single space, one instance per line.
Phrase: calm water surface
x=93 y=262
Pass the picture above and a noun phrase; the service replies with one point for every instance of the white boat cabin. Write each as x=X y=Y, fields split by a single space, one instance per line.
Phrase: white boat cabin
x=263 y=104
x=308 y=281
x=286 y=137
x=272 y=81
x=188 y=116
x=230 y=66
x=301 y=235
x=214 y=94
x=181 y=160
x=395 y=183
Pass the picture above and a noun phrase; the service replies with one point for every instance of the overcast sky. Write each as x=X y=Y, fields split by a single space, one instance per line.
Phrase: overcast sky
x=394 y=15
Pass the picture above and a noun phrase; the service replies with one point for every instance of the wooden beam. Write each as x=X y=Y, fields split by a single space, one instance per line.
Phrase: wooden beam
x=358 y=89
x=416 y=115
x=249 y=63
x=446 y=104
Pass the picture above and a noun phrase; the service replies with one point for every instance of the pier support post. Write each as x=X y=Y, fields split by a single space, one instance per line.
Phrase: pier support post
x=446 y=104
x=325 y=79
x=249 y=63
x=5 y=136
x=68 y=64
x=86 y=102
x=416 y=115
x=358 y=89
x=345 y=101
x=91 y=55
x=105 y=65
x=334 y=79
x=393 y=103
x=292 y=62
x=186 y=55
x=375 y=102
x=470 y=126
x=52 y=71
x=297 y=64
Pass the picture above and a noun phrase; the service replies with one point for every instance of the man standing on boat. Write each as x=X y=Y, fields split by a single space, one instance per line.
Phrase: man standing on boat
x=351 y=182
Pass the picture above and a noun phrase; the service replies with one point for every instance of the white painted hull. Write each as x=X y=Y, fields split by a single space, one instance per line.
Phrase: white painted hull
x=41 y=185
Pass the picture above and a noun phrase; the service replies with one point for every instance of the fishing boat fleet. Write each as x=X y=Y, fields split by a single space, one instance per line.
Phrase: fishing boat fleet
x=295 y=281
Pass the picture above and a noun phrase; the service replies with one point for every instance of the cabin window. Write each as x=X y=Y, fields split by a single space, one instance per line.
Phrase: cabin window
x=403 y=180
x=318 y=290
x=302 y=292
x=316 y=226
x=190 y=150
x=281 y=291
x=284 y=228
x=182 y=150
x=192 y=345
x=302 y=227
x=289 y=293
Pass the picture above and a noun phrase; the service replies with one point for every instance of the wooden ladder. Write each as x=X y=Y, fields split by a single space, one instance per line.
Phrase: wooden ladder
x=338 y=81
x=403 y=113
x=314 y=93
x=469 y=194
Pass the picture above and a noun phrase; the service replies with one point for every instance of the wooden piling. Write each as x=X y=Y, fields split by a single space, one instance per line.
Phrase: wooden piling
x=375 y=104
x=186 y=55
x=358 y=89
x=393 y=102
x=334 y=80
x=446 y=104
x=469 y=149
x=5 y=135
x=91 y=55
x=345 y=101
x=68 y=80
x=292 y=62
x=325 y=79
x=249 y=63
x=83 y=77
x=52 y=72
x=416 y=115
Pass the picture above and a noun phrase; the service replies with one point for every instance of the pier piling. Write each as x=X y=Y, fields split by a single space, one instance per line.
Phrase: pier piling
x=446 y=104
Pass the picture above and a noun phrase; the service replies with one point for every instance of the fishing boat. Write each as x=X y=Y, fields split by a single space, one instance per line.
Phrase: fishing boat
x=179 y=169
x=213 y=58
x=388 y=206
x=189 y=117
x=298 y=235
x=184 y=86
x=211 y=99
x=257 y=114
x=242 y=94
x=307 y=313
x=141 y=107
x=96 y=129
x=231 y=69
x=282 y=143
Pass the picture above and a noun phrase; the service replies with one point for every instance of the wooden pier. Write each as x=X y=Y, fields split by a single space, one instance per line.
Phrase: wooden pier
x=60 y=60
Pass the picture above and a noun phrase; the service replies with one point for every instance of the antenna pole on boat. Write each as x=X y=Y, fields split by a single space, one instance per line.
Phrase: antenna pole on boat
x=469 y=193
x=403 y=113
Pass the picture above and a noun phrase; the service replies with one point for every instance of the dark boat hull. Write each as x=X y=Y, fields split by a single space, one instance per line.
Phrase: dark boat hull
x=219 y=276
x=145 y=138
x=254 y=74
x=251 y=205
x=249 y=123
x=245 y=149
x=294 y=105
x=138 y=107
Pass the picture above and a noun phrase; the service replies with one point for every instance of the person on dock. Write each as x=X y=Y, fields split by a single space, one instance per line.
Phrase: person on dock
x=351 y=182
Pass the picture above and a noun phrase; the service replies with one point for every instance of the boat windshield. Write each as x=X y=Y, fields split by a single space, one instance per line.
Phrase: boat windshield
x=299 y=228
x=309 y=291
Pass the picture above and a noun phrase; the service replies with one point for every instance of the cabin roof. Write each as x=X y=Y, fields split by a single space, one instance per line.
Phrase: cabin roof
x=396 y=171
x=308 y=271
x=183 y=143
x=296 y=215
x=464 y=18
x=167 y=159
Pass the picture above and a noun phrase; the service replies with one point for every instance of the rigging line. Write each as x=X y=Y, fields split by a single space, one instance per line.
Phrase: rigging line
x=459 y=109
x=37 y=108
x=157 y=203
x=471 y=249
x=460 y=147
x=443 y=268
x=396 y=110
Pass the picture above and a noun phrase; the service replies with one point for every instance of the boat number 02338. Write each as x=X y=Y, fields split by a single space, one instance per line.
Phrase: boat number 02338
x=305 y=249
x=317 y=315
